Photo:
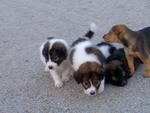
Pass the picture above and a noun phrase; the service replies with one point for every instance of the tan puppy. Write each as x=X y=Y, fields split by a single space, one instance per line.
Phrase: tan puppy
x=136 y=44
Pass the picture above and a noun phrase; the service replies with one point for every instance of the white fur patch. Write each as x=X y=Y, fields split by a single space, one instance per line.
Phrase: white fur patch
x=93 y=27
x=41 y=55
x=80 y=55
x=49 y=63
x=90 y=90
x=102 y=86
x=105 y=50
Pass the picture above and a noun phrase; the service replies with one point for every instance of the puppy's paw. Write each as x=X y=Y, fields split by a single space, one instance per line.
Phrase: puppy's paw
x=145 y=75
x=58 y=84
x=100 y=90
x=132 y=71
x=65 y=78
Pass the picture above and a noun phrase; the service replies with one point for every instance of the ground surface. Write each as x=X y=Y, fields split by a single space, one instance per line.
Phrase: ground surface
x=25 y=24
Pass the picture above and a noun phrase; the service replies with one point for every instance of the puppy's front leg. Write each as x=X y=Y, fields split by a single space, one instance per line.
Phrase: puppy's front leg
x=102 y=86
x=56 y=78
x=147 y=68
x=65 y=75
x=130 y=60
x=130 y=63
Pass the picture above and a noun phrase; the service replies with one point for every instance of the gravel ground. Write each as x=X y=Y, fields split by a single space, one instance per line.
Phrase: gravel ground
x=25 y=24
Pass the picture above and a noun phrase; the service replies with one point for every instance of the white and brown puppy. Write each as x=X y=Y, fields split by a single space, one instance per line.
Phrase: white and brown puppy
x=87 y=62
x=54 y=55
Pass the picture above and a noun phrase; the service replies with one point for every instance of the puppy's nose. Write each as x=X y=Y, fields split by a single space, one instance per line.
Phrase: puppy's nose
x=92 y=93
x=50 y=67
x=104 y=36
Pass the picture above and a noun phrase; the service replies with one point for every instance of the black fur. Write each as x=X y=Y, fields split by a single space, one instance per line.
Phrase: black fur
x=89 y=34
x=49 y=38
x=78 y=41
x=120 y=75
x=58 y=55
x=45 y=51
x=115 y=77
x=145 y=31
x=77 y=77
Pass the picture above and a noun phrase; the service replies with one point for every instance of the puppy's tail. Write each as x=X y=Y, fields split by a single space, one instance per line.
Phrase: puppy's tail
x=91 y=31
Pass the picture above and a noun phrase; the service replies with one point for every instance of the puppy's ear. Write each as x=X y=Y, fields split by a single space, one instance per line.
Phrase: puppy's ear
x=65 y=54
x=100 y=69
x=116 y=30
x=77 y=77
x=124 y=42
x=101 y=72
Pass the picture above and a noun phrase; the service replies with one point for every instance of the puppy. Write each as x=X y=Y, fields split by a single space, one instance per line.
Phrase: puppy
x=87 y=62
x=136 y=44
x=118 y=71
x=115 y=67
x=54 y=55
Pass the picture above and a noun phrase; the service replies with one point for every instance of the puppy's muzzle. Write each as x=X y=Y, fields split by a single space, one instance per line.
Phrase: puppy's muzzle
x=104 y=37
x=50 y=67
x=92 y=93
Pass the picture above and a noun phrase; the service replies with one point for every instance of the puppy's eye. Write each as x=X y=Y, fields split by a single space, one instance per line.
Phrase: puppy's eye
x=56 y=58
x=96 y=82
x=86 y=84
x=114 y=78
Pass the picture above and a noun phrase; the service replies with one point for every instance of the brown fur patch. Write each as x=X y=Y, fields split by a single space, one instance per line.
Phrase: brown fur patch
x=115 y=34
x=89 y=67
x=86 y=70
x=95 y=51
x=59 y=46
x=110 y=37
x=147 y=68
x=58 y=52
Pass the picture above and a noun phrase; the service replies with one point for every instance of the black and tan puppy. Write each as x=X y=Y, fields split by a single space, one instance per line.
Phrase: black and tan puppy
x=136 y=44
x=117 y=72
x=115 y=65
